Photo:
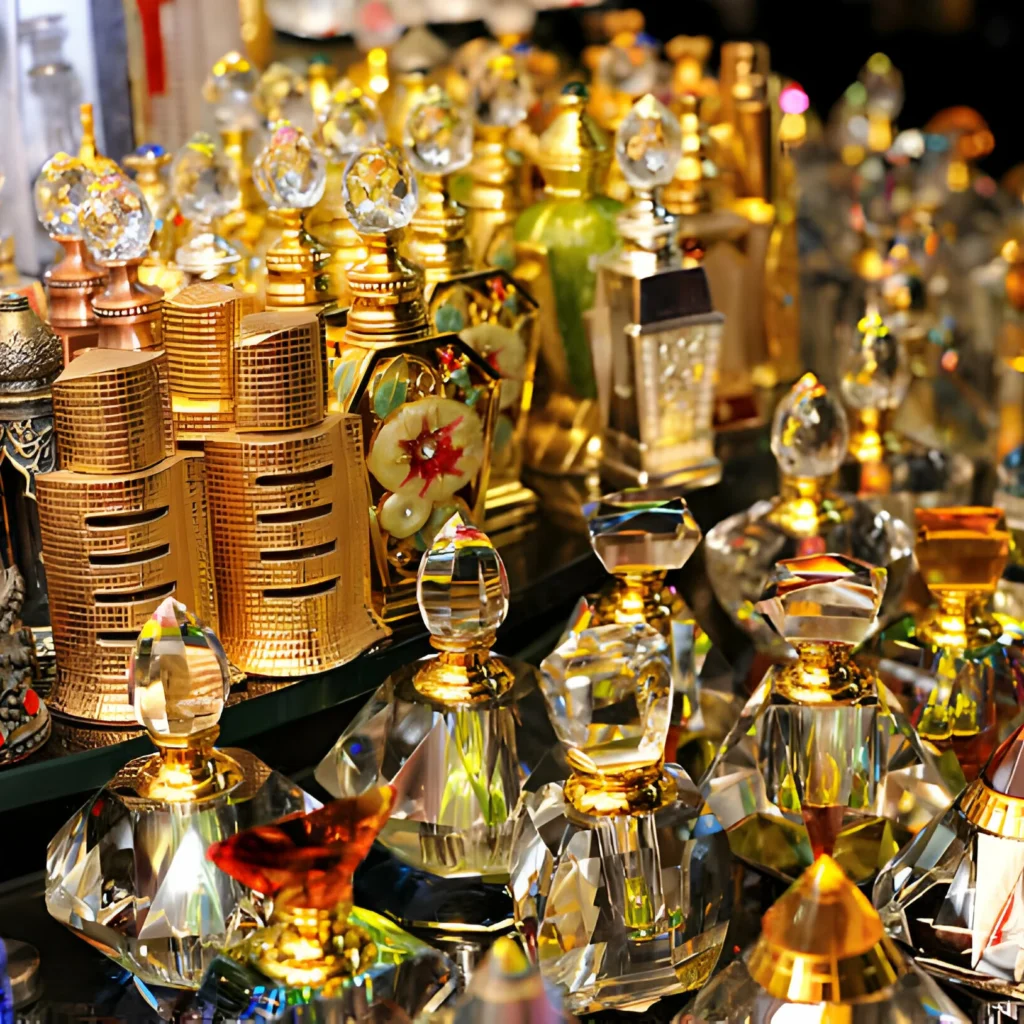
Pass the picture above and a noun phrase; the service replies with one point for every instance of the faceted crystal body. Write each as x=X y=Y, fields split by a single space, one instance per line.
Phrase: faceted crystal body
x=502 y=97
x=290 y=171
x=352 y=122
x=809 y=431
x=648 y=144
x=438 y=134
x=178 y=675
x=380 y=190
x=60 y=190
x=229 y=89
x=115 y=218
x=876 y=375
x=204 y=180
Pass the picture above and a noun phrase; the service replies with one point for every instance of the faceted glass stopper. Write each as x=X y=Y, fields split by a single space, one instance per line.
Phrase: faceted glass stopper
x=290 y=172
x=116 y=220
x=380 y=190
x=351 y=123
x=642 y=530
x=203 y=180
x=609 y=696
x=309 y=859
x=178 y=675
x=501 y=98
x=461 y=584
x=230 y=90
x=648 y=144
x=60 y=190
x=876 y=375
x=961 y=549
x=809 y=431
x=826 y=598
x=438 y=134
x=281 y=92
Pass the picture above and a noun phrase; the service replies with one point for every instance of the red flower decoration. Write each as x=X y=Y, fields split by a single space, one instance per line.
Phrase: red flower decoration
x=432 y=454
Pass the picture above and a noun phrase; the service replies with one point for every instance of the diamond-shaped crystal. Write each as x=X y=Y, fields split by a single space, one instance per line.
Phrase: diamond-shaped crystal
x=648 y=144
x=876 y=375
x=438 y=134
x=502 y=95
x=809 y=430
x=115 y=218
x=230 y=90
x=352 y=122
x=290 y=172
x=203 y=180
x=380 y=190
x=60 y=189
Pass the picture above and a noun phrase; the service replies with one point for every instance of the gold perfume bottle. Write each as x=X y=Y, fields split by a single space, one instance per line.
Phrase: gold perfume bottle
x=655 y=336
x=428 y=402
x=438 y=142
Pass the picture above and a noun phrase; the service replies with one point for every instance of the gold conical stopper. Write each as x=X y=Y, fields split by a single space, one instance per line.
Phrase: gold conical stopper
x=573 y=152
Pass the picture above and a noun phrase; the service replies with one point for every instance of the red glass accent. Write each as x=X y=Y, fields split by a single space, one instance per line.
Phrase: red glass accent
x=443 y=459
x=823 y=825
x=31 y=702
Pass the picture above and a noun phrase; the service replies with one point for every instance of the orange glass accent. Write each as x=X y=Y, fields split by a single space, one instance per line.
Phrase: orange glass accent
x=962 y=548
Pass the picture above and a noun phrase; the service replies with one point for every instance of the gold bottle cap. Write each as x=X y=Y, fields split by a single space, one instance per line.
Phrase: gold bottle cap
x=962 y=549
x=995 y=801
x=573 y=152
x=823 y=942
x=31 y=353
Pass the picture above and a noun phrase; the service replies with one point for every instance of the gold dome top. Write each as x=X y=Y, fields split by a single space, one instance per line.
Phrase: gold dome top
x=573 y=152
x=31 y=355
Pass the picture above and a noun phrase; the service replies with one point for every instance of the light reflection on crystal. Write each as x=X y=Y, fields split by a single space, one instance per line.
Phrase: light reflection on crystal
x=438 y=134
x=290 y=172
x=380 y=190
x=648 y=144
x=203 y=180
x=60 y=189
x=115 y=218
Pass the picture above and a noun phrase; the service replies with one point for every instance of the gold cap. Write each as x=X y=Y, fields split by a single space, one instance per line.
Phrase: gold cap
x=573 y=152
x=962 y=548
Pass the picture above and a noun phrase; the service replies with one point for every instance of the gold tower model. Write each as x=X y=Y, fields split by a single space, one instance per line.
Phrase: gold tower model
x=123 y=523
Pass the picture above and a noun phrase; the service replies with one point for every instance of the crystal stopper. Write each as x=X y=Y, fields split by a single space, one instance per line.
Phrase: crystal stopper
x=116 y=221
x=230 y=89
x=501 y=98
x=59 y=192
x=648 y=144
x=307 y=860
x=351 y=123
x=876 y=375
x=281 y=92
x=884 y=85
x=642 y=530
x=962 y=548
x=438 y=134
x=825 y=598
x=290 y=172
x=809 y=431
x=380 y=190
x=461 y=585
x=178 y=675
x=203 y=180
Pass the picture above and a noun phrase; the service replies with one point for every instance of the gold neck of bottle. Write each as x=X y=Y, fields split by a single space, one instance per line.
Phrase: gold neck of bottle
x=634 y=791
x=188 y=769
x=300 y=946
x=636 y=596
x=994 y=812
x=824 y=673
x=962 y=620
x=463 y=672
x=799 y=511
x=490 y=164
x=436 y=239
x=867 y=438
x=647 y=229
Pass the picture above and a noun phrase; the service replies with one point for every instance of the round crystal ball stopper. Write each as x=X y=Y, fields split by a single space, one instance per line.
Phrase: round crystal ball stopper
x=501 y=98
x=290 y=172
x=230 y=90
x=809 y=431
x=352 y=123
x=115 y=218
x=876 y=374
x=60 y=190
x=379 y=190
x=203 y=180
x=438 y=134
x=648 y=144
x=461 y=585
x=178 y=678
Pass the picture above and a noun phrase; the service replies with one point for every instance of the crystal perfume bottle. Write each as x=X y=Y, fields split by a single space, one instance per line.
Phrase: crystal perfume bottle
x=810 y=436
x=822 y=759
x=557 y=241
x=128 y=872
x=655 y=335
x=621 y=876
x=291 y=174
x=824 y=955
x=438 y=142
x=148 y=163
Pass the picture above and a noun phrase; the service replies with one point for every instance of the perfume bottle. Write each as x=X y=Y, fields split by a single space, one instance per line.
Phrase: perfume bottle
x=823 y=953
x=350 y=123
x=557 y=241
x=316 y=947
x=655 y=335
x=810 y=436
x=71 y=284
x=148 y=163
x=961 y=554
x=290 y=174
x=281 y=94
x=821 y=759
x=411 y=62
x=117 y=225
x=428 y=402
x=438 y=142
x=621 y=875
x=128 y=872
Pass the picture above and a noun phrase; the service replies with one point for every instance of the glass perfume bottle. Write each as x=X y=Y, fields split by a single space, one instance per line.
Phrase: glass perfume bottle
x=822 y=759
x=557 y=241
x=291 y=174
x=148 y=162
x=823 y=955
x=621 y=876
x=810 y=437
x=316 y=947
x=438 y=142
x=128 y=872
x=655 y=335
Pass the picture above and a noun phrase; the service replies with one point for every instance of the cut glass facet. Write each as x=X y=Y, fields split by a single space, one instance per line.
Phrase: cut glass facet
x=203 y=180
x=290 y=171
x=60 y=189
x=438 y=134
x=648 y=144
x=115 y=218
x=380 y=190
x=352 y=122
